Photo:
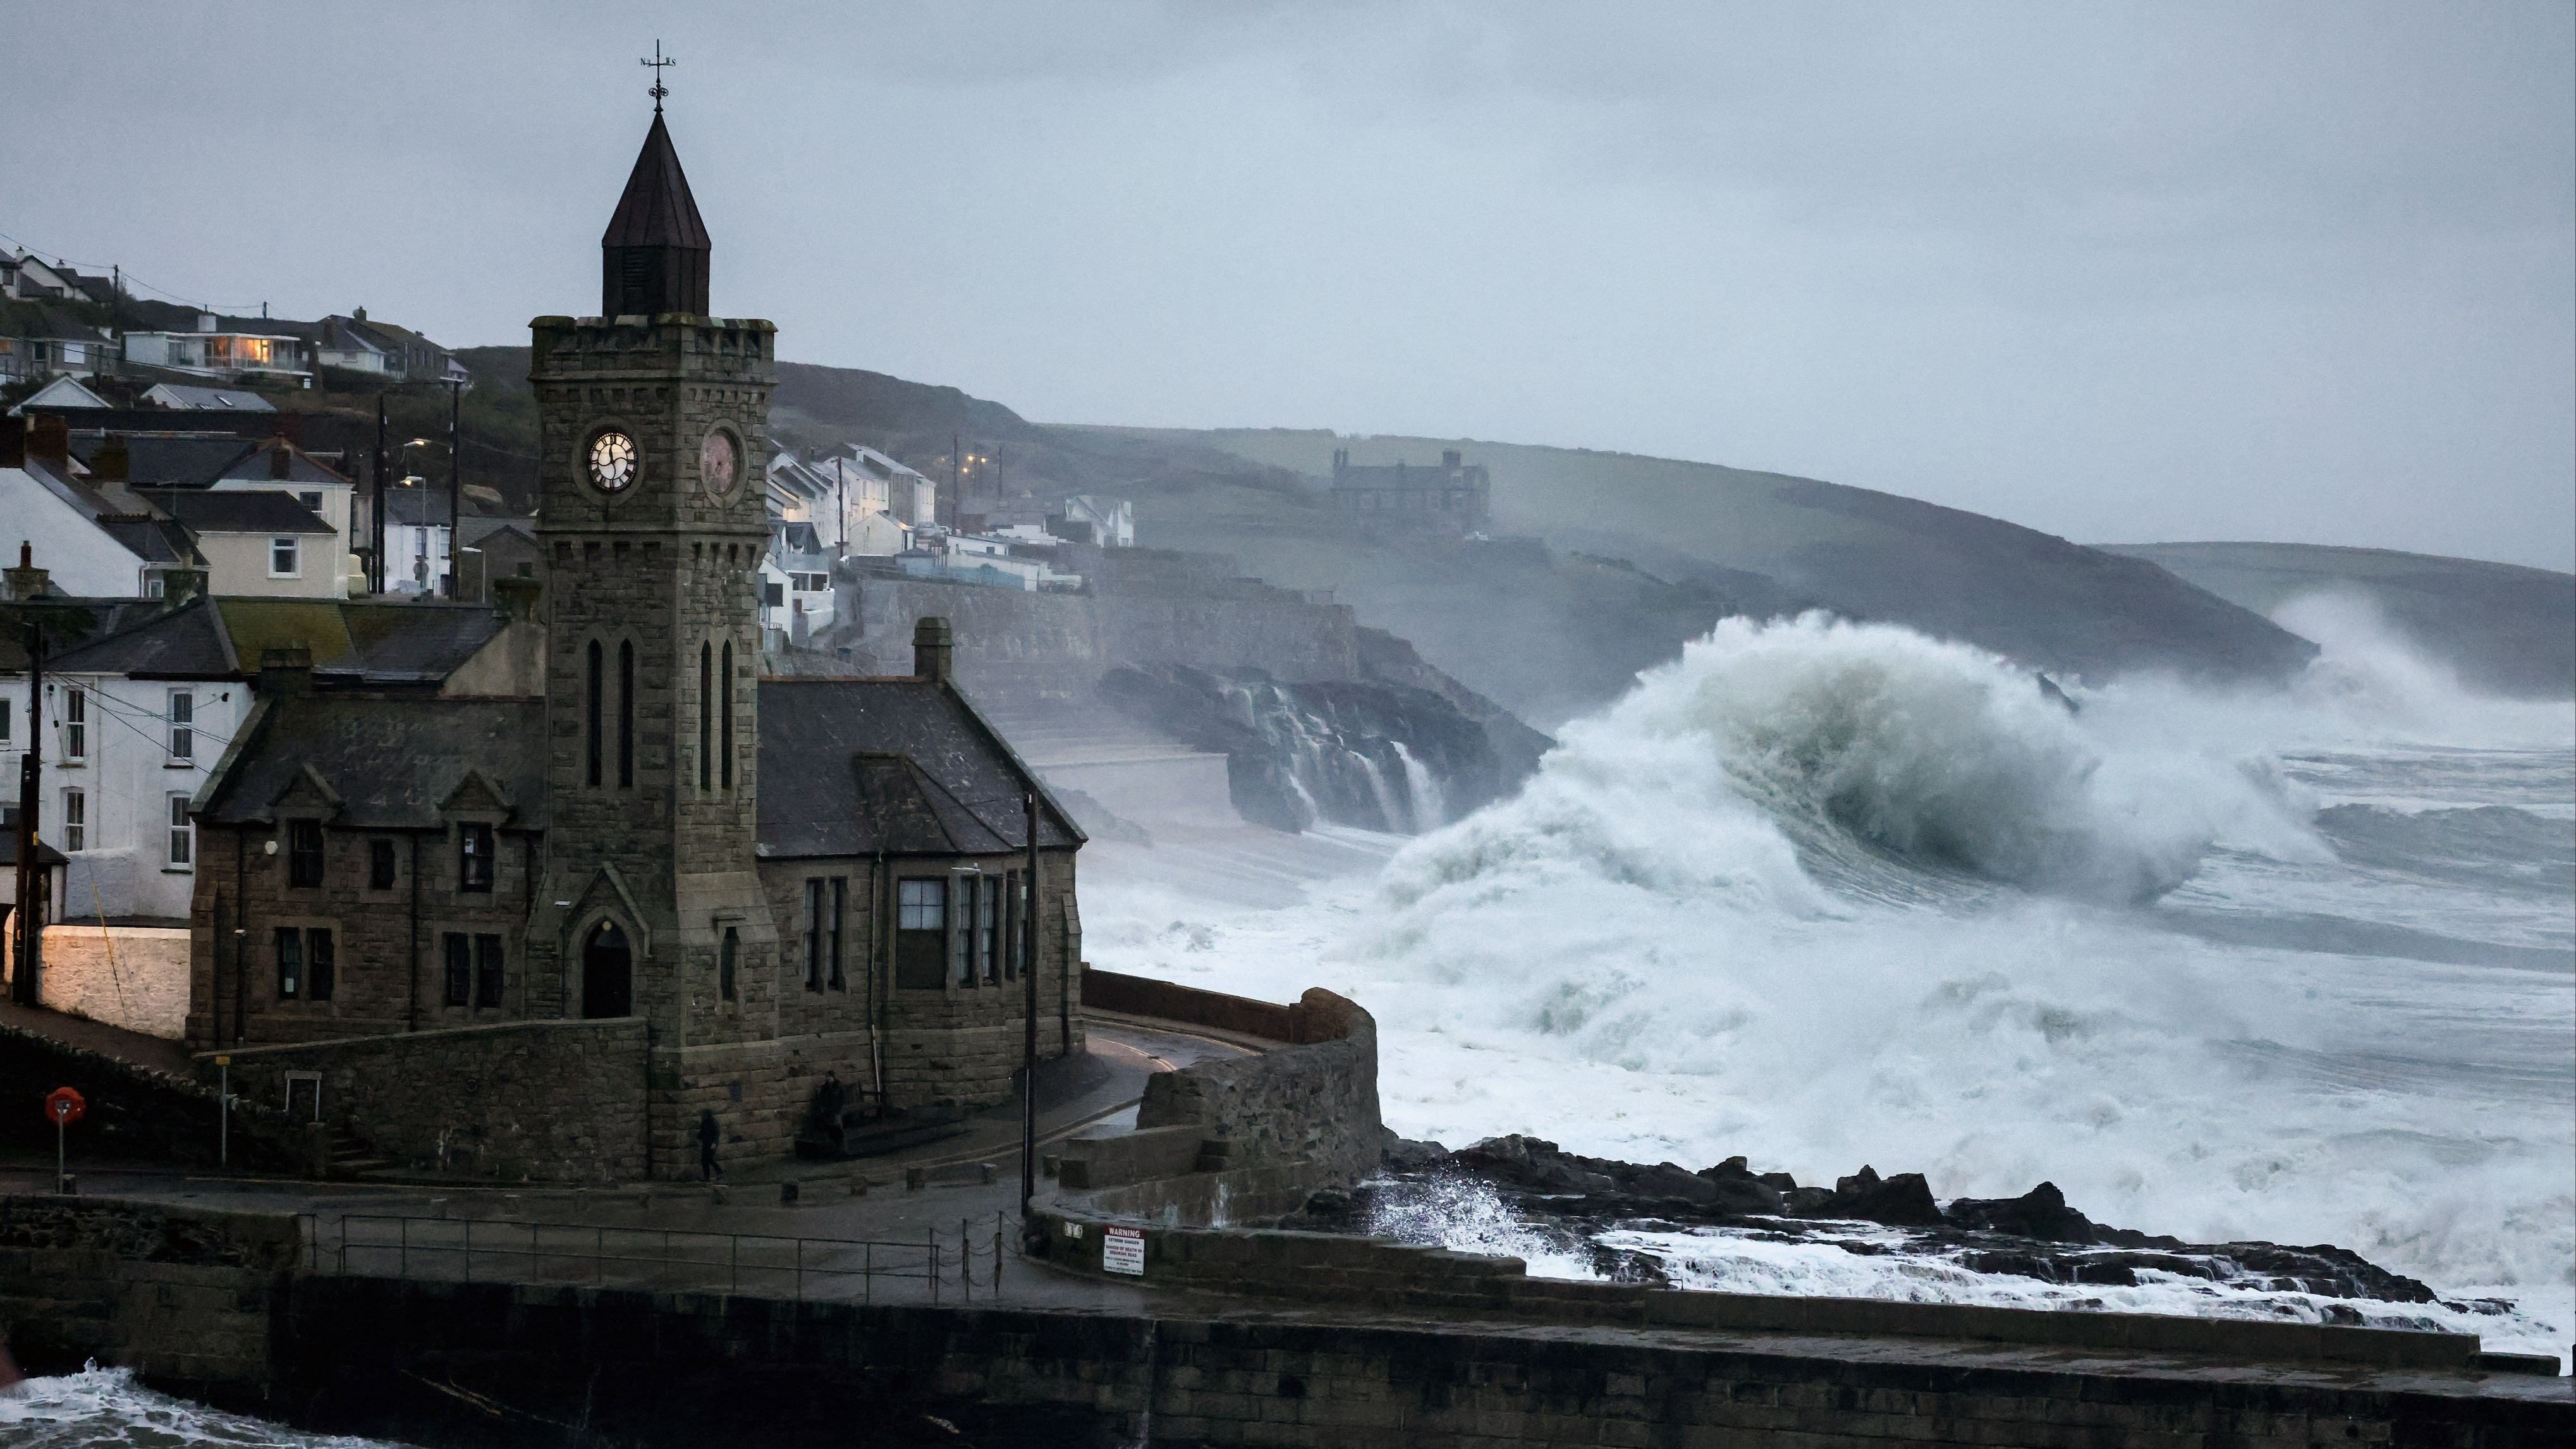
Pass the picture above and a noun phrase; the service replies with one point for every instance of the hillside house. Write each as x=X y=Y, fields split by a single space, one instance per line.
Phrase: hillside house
x=1455 y=498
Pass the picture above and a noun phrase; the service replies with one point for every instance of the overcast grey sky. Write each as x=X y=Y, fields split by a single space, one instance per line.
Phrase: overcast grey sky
x=2275 y=271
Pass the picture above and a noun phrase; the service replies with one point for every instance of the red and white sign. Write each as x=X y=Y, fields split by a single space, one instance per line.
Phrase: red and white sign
x=64 y=1106
x=1122 y=1250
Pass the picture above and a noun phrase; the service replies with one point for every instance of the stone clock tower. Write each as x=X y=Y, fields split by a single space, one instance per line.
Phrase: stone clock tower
x=653 y=521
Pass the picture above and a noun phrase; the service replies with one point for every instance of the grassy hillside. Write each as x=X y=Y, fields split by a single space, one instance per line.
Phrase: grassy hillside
x=2507 y=629
x=2030 y=595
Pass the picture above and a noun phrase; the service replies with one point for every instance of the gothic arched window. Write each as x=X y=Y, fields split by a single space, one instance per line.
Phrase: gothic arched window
x=706 y=715
x=727 y=724
x=590 y=734
x=626 y=714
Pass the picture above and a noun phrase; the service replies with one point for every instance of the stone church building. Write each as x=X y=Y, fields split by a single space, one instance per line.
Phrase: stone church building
x=536 y=926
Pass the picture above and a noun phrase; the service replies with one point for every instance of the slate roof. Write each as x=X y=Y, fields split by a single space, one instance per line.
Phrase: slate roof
x=657 y=209
x=45 y=854
x=68 y=623
x=904 y=766
x=195 y=459
x=259 y=511
x=392 y=761
x=352 y=641
x=153 y=540
x=212 y=399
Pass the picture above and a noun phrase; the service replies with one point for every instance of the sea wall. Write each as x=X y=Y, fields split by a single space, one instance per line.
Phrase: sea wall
x=542 y=1101
x=135 y=977
x=210 y=1304
x=1252 y=1135
x=184 y=1297
x=136 y=1114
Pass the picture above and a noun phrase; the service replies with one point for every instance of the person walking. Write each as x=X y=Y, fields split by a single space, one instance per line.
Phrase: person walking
x=708 y=1135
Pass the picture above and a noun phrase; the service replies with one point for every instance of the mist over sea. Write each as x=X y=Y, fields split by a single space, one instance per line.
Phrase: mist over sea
x=2296 y=964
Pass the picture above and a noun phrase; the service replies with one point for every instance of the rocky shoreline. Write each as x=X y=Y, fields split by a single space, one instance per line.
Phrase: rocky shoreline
x=1570 y=1201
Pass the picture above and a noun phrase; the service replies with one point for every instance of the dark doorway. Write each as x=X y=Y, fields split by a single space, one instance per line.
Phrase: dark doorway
x=607 y=973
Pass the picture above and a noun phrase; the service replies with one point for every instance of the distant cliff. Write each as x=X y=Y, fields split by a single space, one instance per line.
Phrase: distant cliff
x=2508 y=630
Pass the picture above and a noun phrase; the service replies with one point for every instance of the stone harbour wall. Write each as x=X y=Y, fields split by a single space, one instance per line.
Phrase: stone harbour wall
x=542 y=1101
x=184 y=1297
x=135 y=977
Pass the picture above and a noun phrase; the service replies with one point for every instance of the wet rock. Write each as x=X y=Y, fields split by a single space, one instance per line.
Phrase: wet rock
x=1902 y=1201
x=1667 y=1181
x=2040 y=1213
x=1403 y=1154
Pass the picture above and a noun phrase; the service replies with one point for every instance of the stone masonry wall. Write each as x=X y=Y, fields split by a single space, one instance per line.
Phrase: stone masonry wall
x=383 y=1357
x=1315 y=1103
x=135 y=977
x=185 y=1297
x=547 y=1101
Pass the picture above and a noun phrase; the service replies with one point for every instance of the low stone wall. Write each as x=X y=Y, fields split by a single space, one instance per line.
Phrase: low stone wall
x=1375 y=1273
x=184 y=1297
x=540 y=1101
x=1251 y=1135
x=135 y=977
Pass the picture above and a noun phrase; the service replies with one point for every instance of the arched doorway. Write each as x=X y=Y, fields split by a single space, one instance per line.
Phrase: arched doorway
x=607 y=973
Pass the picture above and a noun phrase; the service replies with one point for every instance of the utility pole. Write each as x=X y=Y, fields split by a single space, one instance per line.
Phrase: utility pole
x=1029 y=918
x=956 y=480
x=455 y=488
x=31 y=930
x=378 y=522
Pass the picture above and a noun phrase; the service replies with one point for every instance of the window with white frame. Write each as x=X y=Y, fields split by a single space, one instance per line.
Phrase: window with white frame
x=183 y=836
x=183 y=726
x=75 y=820
x=283 y=562
x=75 y=724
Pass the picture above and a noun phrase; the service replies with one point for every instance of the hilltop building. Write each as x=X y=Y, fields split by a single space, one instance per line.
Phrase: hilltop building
x=1454 y=498
x=654 y=883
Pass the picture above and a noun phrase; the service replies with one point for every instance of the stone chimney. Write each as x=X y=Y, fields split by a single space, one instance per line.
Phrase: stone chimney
x=932 y=646
x=205 y=321
x=26 y=581
x=111 y=462
x=1449 y=457
x=285 y=671
x=280 y=461
x=50 y=438
x=514 y=598
x=181 y=586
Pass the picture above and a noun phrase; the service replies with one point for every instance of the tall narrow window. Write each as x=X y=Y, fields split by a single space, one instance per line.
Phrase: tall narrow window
x=460 y=969
x=487 y=972
x=728 y=962
x=725 y=721
x=706 y=715
x=625 y=715
x=833 y=933
x=921 y=930
x=321 y=964
x=304 y=853
x=183 y=836
x=290 y=963
x=380 y=865
x=988 y=906
x=814 y=934
x=183 y=726
x=474 y=854
x=75 y=724
x=591 y=720
x=75 y=820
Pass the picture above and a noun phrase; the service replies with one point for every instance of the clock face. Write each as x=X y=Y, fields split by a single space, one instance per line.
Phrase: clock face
x=719 y=463
x=612 y=461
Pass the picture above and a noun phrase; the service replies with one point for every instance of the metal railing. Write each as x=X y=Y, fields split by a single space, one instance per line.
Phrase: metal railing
x=510 y=1250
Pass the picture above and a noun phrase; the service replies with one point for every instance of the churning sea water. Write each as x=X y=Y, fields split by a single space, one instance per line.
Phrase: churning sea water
x=2293 y=964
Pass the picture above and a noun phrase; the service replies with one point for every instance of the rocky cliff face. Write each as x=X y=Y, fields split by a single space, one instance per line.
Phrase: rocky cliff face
x=1364 y=753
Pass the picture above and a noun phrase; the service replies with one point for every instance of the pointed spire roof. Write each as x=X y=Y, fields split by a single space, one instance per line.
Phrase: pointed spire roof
x=657 y=210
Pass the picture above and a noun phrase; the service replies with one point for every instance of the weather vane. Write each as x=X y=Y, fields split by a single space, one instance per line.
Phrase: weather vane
x=657 y=63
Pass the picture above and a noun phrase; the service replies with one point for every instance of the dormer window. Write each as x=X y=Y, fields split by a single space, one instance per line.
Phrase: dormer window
x=304 y=854
x=474 y=849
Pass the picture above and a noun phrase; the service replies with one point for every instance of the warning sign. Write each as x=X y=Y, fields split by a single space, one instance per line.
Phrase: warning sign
x=1122 y=1250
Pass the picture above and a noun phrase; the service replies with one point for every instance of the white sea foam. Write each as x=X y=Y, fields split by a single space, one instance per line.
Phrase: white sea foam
x=105 y=1409
x=1827 y=894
